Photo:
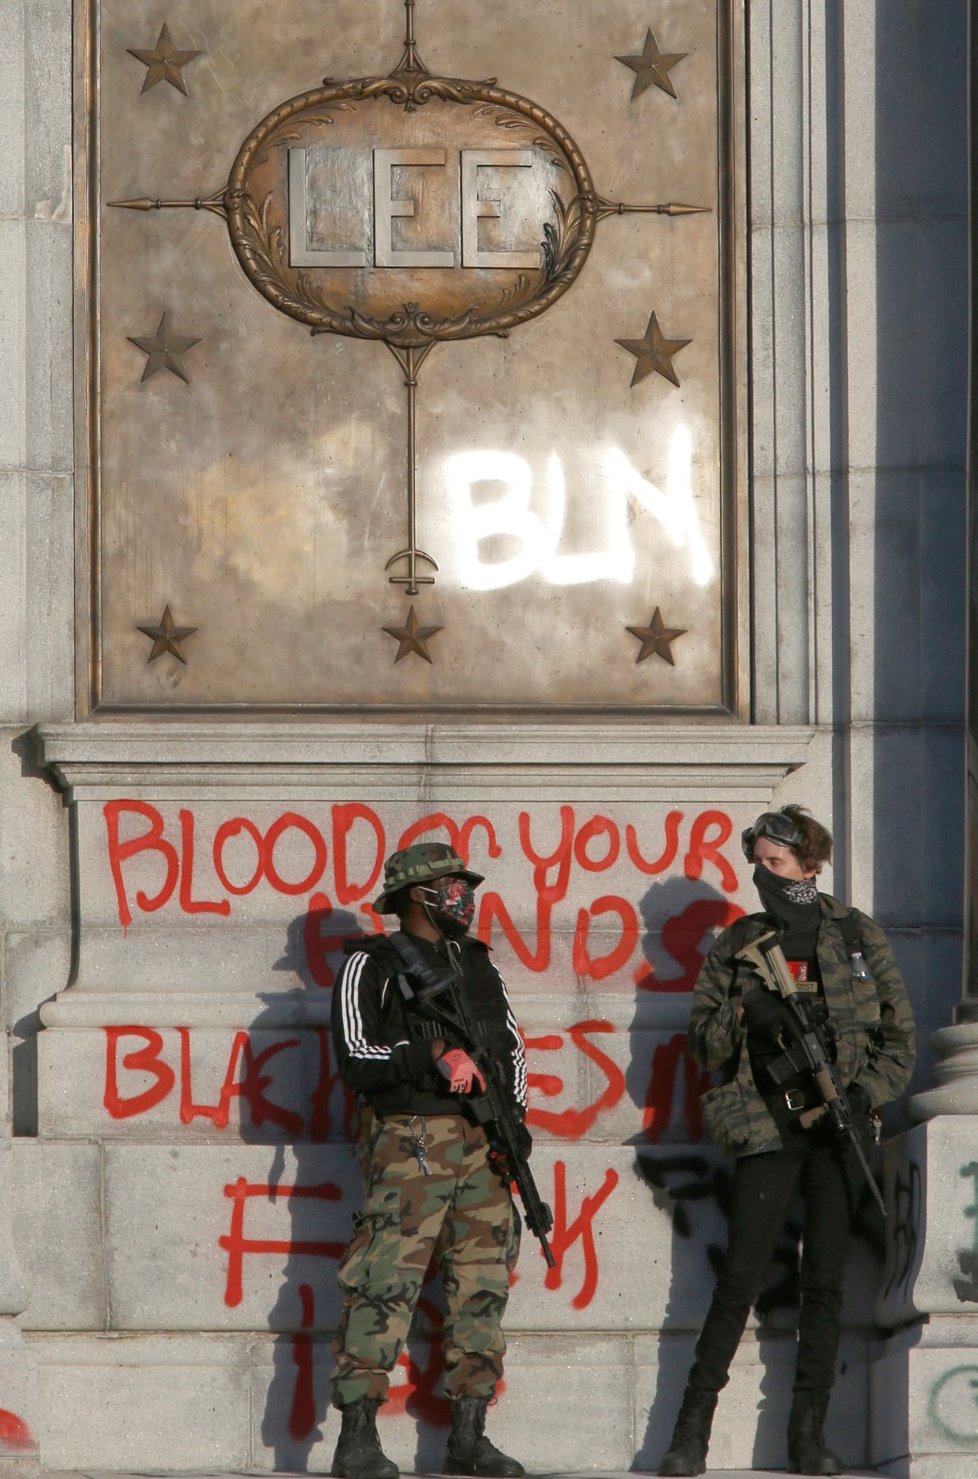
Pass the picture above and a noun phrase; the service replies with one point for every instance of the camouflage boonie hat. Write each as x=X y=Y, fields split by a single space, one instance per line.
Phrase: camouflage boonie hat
x=420 y=864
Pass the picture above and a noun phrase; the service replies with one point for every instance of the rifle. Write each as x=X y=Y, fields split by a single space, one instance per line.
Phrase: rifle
x=440 y=998
x=810 y=1052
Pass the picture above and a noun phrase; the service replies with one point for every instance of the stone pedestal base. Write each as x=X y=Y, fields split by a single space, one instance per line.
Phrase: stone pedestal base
x=925 y=1401
x=20 y=1412
x=925 y=1379
x=25 y=1464
x=254 y=1403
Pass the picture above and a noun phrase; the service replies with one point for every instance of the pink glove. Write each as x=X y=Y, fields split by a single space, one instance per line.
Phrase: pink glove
x=461 y=1072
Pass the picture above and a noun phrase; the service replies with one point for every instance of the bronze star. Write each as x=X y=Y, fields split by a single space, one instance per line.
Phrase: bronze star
x=653 y=66
x=654 y=352
x=167 y=637
x=165 y=350
x=165 y=63
x=657 y=638
x=412 y=637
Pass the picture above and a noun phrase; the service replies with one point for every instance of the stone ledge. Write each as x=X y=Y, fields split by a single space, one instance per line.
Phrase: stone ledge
x=534 y=761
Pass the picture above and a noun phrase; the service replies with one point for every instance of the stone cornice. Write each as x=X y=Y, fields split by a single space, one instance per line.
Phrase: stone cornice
x=376 y=762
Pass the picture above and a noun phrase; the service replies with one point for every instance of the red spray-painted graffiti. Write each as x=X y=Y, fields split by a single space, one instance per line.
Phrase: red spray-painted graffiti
x=248 y=1078
x=332 y=862
x=291 y=857
x=236 y=1245
x=14 y=1432
x=259 y=1079
x=566 y=1233
x=668 y=1060
x=417 y=1392
x=302 y=1413
x=571 y=1124
x=683 y=936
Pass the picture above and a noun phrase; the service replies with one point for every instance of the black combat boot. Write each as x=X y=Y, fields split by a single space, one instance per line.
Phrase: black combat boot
x=691 y=1436
x=358 y=1452
x=469 y=1450
x=807 y=1450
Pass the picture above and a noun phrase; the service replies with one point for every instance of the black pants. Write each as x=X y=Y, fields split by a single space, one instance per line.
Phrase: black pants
x=829 y=1176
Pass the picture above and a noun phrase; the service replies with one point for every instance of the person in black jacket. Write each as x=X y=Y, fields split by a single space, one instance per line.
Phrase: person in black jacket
x=432 y=1185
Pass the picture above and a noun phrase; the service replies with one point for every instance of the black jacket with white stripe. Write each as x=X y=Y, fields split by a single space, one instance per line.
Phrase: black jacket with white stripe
x=375 y=1032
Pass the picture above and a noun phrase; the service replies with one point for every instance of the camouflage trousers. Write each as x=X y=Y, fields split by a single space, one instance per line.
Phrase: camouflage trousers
x=462 y=1215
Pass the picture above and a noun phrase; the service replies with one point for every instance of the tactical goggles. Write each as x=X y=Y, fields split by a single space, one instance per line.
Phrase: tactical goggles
x=775 y=826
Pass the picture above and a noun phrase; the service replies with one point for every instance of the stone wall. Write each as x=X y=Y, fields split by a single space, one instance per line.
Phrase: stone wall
x=166 y=1089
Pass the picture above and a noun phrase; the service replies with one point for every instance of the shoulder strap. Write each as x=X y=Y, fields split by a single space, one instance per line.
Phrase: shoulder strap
x=739 y=930
x=437 y=987
x=738 y=933
x=849 y=925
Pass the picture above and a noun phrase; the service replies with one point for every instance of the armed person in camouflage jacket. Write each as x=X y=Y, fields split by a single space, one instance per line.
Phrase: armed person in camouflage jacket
x=739 y=1029
x=433 y=1186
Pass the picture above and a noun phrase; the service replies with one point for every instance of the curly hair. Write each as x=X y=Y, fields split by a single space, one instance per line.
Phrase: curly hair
x=815 y=847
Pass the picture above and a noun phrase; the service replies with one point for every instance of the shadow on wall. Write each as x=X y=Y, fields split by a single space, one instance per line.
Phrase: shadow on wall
x=303 y=1171
x=314 y=1169
x=59 y=948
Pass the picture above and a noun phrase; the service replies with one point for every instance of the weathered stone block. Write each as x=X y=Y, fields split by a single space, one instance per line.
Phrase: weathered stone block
x=34 y=838
x=215 y=1237
x=57 y=1202
x=567 y=1405
x=50 y=676
x=160 y=1402
x=932 y=1188
x=48 y=63
x=36 y=966
x=21 y=1405
x=293 y=1427
x=13 y=482
x=924 y=1413
x=13 y=87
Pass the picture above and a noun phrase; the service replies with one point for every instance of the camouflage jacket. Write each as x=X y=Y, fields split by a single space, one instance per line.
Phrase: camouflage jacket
x=876 y=1046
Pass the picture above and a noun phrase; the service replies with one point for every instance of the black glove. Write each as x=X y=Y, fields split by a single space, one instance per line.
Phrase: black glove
x=766 y=1016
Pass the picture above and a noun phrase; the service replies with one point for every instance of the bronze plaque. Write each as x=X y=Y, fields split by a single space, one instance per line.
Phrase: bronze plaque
x=472 y=207
x=414 y=353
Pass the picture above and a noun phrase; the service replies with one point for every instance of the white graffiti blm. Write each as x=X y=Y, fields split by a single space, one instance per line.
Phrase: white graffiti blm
x=509 y=516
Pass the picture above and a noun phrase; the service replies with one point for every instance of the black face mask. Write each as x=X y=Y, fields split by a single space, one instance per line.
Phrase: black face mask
x=793 y=902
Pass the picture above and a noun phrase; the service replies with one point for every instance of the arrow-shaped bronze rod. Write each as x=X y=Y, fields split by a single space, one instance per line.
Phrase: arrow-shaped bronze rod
x=213 y=203
x=410 y=59
x=667 y=208
x=410 y=360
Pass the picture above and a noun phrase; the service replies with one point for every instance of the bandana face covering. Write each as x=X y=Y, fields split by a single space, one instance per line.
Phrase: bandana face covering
x=792 y=901
x=453 y=905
